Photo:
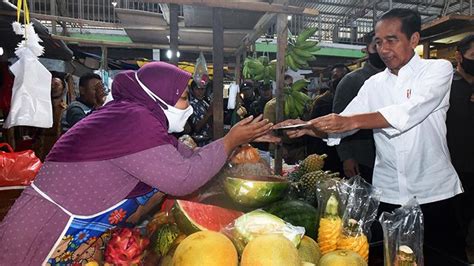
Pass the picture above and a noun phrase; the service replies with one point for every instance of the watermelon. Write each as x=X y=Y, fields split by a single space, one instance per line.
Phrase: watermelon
x=163 y=238
x=192 y=217
x=297 y=213
x=255 y=191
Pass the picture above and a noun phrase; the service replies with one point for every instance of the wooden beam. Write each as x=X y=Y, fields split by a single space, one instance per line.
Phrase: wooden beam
x=238 y=68
x=426 y=50
x=444 y=19
x=80 y=22
x=245 y=5
x=218 y=75
x=174 y=9
x=135 y=45
x=188 y=30
x=282 y=42
x=262 y=26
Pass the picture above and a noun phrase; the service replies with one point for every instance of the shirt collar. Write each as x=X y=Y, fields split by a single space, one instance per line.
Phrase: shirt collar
x=410 y=67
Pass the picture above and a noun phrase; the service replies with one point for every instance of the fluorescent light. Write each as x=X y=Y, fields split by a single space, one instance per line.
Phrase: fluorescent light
x=169 y=54
x=1 y=50
x=289 y=17
x=114 y=3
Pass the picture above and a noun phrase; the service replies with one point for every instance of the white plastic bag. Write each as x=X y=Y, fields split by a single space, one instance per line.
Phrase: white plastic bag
x=233 y=92
x=201 y=75
x=31 y=92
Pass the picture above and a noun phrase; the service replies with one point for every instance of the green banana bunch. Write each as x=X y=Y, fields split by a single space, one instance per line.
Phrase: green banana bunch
x=296 y=101
x=300 y=50
x=259 y=69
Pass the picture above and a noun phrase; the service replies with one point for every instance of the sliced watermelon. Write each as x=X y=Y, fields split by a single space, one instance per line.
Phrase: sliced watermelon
x=192 y=216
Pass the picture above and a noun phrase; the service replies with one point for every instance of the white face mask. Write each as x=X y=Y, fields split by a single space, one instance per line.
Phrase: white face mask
x=176 y=117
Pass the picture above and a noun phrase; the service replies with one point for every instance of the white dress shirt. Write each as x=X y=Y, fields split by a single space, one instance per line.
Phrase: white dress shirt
x=412 y=157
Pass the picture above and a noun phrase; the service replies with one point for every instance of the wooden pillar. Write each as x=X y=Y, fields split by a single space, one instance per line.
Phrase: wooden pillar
x=218 y=79
x=52 y=7
x=174 y=9
x=282 y=42
x=105 y=58
x=237 y=68
x=426 y=50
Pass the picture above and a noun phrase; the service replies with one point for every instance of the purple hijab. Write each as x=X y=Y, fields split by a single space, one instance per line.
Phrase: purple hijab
x=132 y=122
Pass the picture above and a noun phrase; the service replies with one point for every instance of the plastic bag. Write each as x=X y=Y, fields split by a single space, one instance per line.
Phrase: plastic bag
x=18 y=168
x=233 y=94
x=201 y=75
x=361 y=210
x=257 y=223
x=403 y=235
x=31 y=98
x=332 y=195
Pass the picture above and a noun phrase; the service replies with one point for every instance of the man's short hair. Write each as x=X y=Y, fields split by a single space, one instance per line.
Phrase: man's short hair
x=288 y=77
x=86 y=77
x=410 y=19
x=465 y=44
x=340 y=66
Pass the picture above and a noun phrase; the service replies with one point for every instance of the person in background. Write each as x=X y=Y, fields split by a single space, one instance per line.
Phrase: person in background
x=357 y=152
x=288 y=80
x=265 y=95
x=406 y=107
x=104 y=169
x=46 y=137
x=322 y=106
x=460 y=134
x=200 y=120
x=247 y=94
x=90 y=89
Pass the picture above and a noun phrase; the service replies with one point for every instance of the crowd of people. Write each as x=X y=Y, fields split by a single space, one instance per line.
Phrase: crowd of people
x=403 y=123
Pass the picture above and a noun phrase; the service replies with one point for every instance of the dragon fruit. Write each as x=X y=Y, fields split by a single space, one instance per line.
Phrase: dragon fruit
x=126 y=247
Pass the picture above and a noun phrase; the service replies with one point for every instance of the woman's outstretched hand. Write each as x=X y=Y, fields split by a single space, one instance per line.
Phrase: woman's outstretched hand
x=247 y=130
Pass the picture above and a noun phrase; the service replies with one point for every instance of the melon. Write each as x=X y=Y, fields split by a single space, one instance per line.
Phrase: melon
x=342 y=258
x=309 y=250
x=255 y=191
x=257 y=223
x=297 y=212
x=205 y=248
x=192 y=217
x=272 y=249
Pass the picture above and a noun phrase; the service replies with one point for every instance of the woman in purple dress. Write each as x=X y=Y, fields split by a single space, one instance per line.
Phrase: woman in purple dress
x=109 y=165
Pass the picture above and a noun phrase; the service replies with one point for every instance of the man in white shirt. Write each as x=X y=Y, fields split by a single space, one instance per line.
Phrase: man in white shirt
x=406 y=107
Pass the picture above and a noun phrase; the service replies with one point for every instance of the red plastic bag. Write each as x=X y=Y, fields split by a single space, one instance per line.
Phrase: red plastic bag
x=18 y=168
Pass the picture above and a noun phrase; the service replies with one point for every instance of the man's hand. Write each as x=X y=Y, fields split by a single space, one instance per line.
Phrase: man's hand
x=351 y=168
x=268 y=138
x=246 y=131
x=333 y=123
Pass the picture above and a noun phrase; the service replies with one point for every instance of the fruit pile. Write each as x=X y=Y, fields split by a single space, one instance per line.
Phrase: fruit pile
x=307 y=176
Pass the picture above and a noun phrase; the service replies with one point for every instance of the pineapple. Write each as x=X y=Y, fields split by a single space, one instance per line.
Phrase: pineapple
x=306 y=185
x=330 y=227
x=313 y=162
x=354 y=239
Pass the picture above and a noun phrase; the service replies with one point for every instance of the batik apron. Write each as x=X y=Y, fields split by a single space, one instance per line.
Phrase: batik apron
x=84 y=237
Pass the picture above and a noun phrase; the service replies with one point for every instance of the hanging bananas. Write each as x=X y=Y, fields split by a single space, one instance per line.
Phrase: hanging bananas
x=300 y=50
x=260 y=69
x=296 y=102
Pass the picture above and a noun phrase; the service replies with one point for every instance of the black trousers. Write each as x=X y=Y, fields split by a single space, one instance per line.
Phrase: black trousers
x=441 y=228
